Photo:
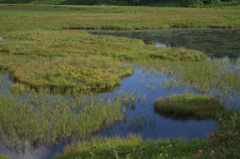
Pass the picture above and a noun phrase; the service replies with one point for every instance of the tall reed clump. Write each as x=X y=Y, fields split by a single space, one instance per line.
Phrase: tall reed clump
x=190 y=105
x=40 y=119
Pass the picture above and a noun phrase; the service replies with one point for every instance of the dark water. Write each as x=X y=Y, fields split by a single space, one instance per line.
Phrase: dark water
x=218 y=43
x=141 y=118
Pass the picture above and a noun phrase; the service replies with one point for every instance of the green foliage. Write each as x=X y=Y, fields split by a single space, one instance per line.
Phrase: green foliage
x=132 y=147
x=60 y=61
x=189 y=105
x=192 y=3
x=4 y=157
x=40 y=119
x=225 y=142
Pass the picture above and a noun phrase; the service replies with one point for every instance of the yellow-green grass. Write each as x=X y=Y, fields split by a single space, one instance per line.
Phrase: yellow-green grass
x=4 y=157
x=133 y=147
x=222 y=143
x=190 y=105
x=30 y=17
x=218 y=77
x=40 y=119
x=75 y=60
x=71 y=73
x=65 y=42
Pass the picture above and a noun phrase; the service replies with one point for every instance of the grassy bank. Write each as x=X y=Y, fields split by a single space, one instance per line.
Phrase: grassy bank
x=36 y=17
x=221 y=144
x=133 y=147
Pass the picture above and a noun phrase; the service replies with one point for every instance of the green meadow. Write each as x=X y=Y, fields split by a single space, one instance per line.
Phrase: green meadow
x=46 y=49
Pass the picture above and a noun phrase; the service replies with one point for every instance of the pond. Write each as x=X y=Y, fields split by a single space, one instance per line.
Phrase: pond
x=140 y=116
x=216 y=43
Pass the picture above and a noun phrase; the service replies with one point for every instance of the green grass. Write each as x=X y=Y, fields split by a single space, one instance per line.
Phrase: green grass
x=41 y=119
x=132 y=147
x=4 y=157
x=224 y=143
x=71 y=73
x=218 y=77
x=64 y=57
x=220 y=144
x=43 y=17
x=189 y=105
x=68 y=60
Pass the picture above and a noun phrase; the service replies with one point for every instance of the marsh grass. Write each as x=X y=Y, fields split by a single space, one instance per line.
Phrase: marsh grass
x=220 y=78
x=224 y=142
x=41 y=119
x=70 y=74
x=133 y=147
x=198 y=106
x=4 y=157
x=75 y=61
x=39 y=17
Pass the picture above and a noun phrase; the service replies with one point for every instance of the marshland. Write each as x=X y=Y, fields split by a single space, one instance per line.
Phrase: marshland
x=108 y=81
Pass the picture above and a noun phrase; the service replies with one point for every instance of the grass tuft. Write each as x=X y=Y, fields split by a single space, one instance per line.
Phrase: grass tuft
x=189 y=105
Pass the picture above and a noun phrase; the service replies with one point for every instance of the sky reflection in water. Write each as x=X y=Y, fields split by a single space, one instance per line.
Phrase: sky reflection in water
x=141 y=118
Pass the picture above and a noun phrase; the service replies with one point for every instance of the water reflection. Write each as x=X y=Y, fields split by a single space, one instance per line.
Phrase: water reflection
x=141 y=117
x=216 y=43
x=160 y=44
x=1 y=38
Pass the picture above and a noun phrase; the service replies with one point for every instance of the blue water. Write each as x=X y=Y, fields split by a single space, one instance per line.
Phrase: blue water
x=141 y=118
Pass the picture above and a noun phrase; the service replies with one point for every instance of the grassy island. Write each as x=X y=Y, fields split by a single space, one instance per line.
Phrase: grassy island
x=190 y=105
x=47 y=49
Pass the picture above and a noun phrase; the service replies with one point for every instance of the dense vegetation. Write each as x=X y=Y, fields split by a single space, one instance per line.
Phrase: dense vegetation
x=36 y=52
x=190 y=106
x=182 y=3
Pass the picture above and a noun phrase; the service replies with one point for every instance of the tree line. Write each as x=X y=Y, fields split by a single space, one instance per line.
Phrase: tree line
x=182 y=3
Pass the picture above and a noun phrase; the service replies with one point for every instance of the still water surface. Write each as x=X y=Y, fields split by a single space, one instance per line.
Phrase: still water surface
x=141 y=118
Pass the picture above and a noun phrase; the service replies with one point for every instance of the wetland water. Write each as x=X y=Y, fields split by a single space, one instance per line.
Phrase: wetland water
x=140 y=116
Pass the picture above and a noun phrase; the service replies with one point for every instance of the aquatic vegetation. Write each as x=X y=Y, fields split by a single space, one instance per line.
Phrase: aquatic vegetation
x=69 y=74
x=42 y=55
x=190 y=105
x=4 y=157
x=41 y=119
x=131 y=147
x=180 y=54
x=220 y=78
x=73 y=61
x=224 y=142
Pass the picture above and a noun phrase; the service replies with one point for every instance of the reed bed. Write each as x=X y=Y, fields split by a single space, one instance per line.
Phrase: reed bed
x=42 y=119
x=220 y=78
